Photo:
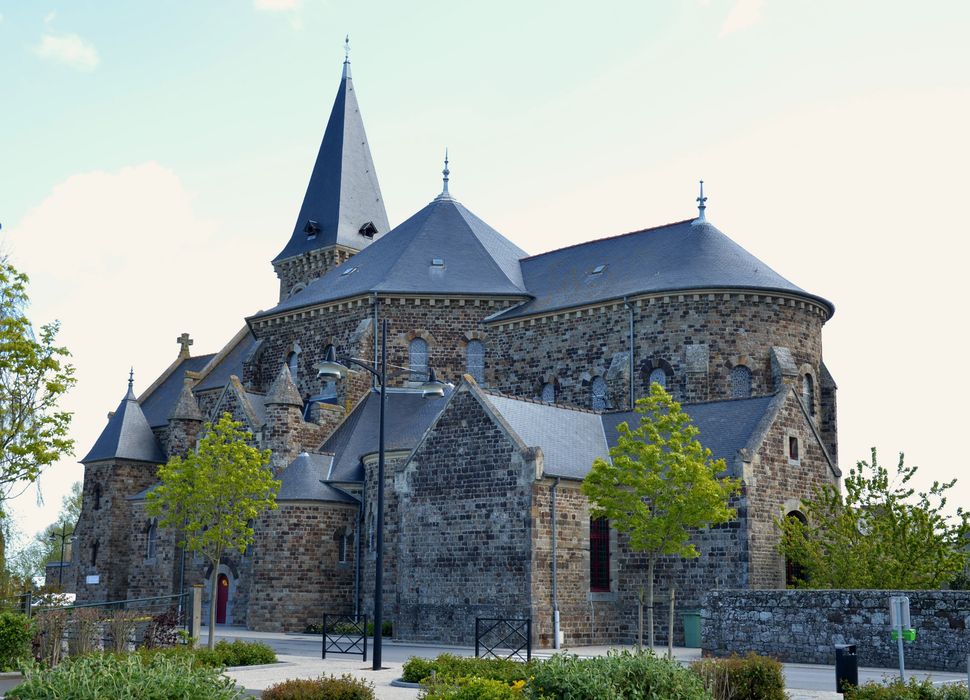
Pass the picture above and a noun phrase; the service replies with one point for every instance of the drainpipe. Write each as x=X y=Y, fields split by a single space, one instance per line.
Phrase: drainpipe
x=555 y=569
x=373 y=379
x=633 y=398
x=360 y=549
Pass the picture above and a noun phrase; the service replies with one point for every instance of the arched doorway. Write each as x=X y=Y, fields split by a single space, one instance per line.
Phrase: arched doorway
x=222 y=598
x=794 y=572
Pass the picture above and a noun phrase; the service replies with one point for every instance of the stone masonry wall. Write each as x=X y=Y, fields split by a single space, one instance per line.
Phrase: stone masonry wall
x=300 y=270
x=700 y=337
x=108 y=521
x=801 y=626
x=296 y=573
x=466 y=528
x=156 y=575
x=776 y=485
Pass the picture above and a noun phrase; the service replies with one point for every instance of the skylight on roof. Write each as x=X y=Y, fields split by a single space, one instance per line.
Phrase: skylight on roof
x=437 y=262
x=348 y=271
x=598 y=269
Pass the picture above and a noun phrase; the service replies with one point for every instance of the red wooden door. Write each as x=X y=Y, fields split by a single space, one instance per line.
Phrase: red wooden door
x=222 y=599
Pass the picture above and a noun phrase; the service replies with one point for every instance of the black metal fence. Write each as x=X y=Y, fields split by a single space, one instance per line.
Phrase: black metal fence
x=344 y=634
x=503 y=638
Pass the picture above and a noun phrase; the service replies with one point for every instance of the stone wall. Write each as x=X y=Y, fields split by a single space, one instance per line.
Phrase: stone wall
x=696 y=338
x=156 y=575
x=300 y=270
x=801 y=626
x=393 y=464
x=296 y=575
x=465 y=527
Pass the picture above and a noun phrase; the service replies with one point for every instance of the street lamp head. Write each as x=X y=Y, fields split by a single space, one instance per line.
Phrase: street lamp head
x=330 y=368
x=432 y=389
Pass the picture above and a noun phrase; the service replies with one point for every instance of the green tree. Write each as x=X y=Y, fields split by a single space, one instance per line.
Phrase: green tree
x=660 y=485
x=30 y=561
x=211 y=496
x=880 y=534
x=34 y=376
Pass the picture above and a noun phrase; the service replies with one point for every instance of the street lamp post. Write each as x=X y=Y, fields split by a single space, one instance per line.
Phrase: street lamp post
x=63 y=536
x=333 y=368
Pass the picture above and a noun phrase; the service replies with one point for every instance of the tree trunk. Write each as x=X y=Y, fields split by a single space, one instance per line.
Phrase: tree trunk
x=213 y=597
x=650 y=563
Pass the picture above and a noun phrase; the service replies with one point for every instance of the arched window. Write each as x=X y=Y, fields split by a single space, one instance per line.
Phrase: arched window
x=599 y=555
x=658 y=376
x=475 y=360
x=94 y=553
x=740 y=382
x=344 y=542
x=418 y=359
x=598 y=391
x=97 y=497
x=549 y=392
x=293 y=362
x=808 y=393
x=152 y=539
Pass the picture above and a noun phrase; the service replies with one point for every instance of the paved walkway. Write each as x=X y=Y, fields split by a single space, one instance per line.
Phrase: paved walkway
x=300 y=657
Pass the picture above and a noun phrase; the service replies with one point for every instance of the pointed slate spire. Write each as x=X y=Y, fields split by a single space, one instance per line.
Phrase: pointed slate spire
x=343 y=203
x=127 y=435
x=187 y=408
x=283 y=392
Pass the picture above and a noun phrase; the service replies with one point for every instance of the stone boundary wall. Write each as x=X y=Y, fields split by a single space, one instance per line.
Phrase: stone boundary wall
x=803 y=626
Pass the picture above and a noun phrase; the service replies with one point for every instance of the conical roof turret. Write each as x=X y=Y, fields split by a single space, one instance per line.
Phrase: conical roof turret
x=127 y=435
x=283 y=391
x=343 y=203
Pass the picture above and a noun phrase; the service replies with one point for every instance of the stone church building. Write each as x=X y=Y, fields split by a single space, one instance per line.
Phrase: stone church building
x=547 y=353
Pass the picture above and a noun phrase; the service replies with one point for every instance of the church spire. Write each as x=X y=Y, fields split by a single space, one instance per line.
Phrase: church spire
x=343 y=205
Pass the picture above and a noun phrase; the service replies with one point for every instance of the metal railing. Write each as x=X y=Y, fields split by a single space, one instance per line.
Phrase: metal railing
x=344 y=634
x=503 y=638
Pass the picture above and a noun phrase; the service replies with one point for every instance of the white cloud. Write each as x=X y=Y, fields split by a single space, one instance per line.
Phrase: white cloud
x=277 y=5
x=69 y=49
x=51 y=16
x=743 y=14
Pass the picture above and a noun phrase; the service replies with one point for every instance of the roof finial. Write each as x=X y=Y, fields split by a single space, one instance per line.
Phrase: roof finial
x=131 y=383
x=701 y=204
x=444 y=179
x=347 y=56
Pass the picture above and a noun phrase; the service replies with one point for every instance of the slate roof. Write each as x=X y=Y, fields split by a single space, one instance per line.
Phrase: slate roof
x=127 y=435
x=303 y=480
x=680 y=256
x=158 y=405
x=477 y=260
x=408 y=415
x=343 y=193
x=571 y=439
x=232 y=363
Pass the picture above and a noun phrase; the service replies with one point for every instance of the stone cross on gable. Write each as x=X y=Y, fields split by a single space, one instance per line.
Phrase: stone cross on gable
x=185 y=341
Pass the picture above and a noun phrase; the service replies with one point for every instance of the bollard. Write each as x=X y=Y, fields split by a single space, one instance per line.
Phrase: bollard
x=846 y=667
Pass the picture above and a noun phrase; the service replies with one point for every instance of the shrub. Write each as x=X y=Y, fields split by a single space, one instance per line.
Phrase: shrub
x=451 y=666
x=472 y=689
x=97 y=676
x=753 y=677
x=163 y=630
x=914 y=690
x=16 y=632
x=50 y=625
x=235 y=653
x=324 y=688
x=121 y=626
x=617 y=676
x=84 y=628
x=387 y=628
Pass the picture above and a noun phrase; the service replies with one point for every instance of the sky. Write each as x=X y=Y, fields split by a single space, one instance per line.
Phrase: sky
x=153 y=158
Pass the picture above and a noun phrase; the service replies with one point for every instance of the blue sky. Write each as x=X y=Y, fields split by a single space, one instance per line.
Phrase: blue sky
x=154 y=156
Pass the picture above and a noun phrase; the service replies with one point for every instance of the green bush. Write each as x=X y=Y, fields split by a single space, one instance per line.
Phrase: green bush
x=324 y=688
x=753 y=677
x=99 y=676
x=387 y=628
x=16 y=631
x=235 y=653
x=618 y=676
x=471 y=689
x=451 y=666
x=914 y=690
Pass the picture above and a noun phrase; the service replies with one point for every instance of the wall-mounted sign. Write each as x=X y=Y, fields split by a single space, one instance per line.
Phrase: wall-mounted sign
x=95 y=578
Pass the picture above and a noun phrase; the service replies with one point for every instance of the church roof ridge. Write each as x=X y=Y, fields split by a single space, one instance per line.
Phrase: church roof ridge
x=512 y=397
x=609 y=238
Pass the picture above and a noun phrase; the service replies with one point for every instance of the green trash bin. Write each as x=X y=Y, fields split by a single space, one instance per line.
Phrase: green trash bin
x=692 y=629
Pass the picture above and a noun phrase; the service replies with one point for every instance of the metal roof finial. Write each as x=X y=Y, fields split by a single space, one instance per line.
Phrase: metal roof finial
x=701 y=204
x=131 y=383
x=347 y=56
x=444 y=179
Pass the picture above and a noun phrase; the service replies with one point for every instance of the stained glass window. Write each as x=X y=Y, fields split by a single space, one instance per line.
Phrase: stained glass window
x=740 y=382
x=152 y=539
x=475 y=360
x=658 y=376
x=599 y=394
x=599 y=555
x=808 y=393
x=418 y=359
x=549 y=392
